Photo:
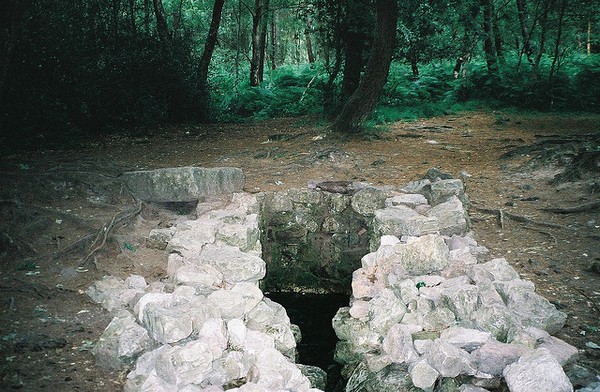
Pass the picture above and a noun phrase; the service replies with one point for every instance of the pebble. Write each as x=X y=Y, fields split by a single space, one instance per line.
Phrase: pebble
x=592 y=345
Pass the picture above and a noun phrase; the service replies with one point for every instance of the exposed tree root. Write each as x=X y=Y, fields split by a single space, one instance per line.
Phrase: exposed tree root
x=505 y=215
x=580 y=208
x=591 y=301
x=105 y=231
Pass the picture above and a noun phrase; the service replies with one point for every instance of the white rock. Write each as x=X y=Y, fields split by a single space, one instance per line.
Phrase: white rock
x=448 y=360
x=423 y=255
x=398 y=343
x=494 y=356
x=423 y=375
x=465 y=338
x=385 y=310
x=537 y=371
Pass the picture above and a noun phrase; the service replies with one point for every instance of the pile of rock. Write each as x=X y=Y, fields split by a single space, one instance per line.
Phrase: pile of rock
x=424 y=310
x=208 y=327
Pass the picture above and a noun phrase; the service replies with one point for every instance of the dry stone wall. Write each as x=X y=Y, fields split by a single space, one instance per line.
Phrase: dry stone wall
x=429 y=309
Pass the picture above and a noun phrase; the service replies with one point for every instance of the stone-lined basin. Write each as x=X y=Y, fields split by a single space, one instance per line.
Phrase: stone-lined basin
x=427 y=304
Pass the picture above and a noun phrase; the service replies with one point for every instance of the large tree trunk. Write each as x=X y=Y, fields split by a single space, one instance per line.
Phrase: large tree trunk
x=209 y=46
x=259 y=29
x=356 y=39
x=489 y=47
x=161 y=23
x=364 y=99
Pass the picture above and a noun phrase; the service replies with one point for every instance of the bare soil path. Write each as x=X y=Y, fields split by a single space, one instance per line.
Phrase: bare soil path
x=55 y=205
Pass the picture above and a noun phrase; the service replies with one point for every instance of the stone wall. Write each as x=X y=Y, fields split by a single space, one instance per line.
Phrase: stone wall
x=428 y=309
x=313 y=239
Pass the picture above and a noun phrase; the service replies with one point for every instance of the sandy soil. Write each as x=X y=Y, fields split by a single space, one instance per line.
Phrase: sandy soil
x=54 y=205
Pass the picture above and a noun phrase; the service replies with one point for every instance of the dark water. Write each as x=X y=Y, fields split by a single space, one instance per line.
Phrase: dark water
x=313 y=314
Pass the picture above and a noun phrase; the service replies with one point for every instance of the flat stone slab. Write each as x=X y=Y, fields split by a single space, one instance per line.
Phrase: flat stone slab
x=183 y=184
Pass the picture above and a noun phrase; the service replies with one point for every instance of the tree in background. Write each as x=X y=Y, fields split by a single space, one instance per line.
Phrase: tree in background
x=209 y=48
x=259 y=34
x=98 y=66
x=11 y=24
x=366 y=96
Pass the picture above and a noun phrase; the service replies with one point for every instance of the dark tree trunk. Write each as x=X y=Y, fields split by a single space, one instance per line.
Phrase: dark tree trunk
x=309 y=47
x=177 y=18
x=11 y=20
x=264 y=24
x=489 y=47
x=414 y=66
x=542 y=43
x=525 y=34
x=209 y=47
x=353 y=64
x=335 y=9
x=132 y=24
x=364 y=99
x=356 y=37
x=556 y=58
x=116 y=11
x=161 y=23
x=273 y=51
x=259 y=21
x=147 y=16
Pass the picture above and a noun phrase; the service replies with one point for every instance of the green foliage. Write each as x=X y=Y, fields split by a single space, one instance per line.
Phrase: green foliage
x=83 y=69
x=292 y=91
x=72 y=83
x=571 y=87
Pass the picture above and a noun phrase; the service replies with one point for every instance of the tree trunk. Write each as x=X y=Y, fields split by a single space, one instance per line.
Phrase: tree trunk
x=589 y=38
x=147 y=16
x=353 y=64
x=356 y=38
x=273 y=51
x=209 y=46
x=11 y=23
x=542 y=42
x=161 y=23
x=132 y=24
x=116 y=11
x=414 y=66
x=555 y=60
x=364 y=99
x=264 y=24
x=489 y=47
x=177 y=18
x=309 y=47
x=525 y=34
x=259 y=21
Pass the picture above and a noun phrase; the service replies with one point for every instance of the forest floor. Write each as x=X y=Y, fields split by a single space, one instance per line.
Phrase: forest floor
x=65 y=219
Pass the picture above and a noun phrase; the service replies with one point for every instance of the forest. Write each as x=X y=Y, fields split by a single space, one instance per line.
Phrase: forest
x=70 y=71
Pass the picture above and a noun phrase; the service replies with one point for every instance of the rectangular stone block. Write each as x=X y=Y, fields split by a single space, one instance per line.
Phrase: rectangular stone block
x=183 y=184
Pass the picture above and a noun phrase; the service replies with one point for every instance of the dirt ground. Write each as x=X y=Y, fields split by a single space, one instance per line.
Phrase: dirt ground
x=65 y=219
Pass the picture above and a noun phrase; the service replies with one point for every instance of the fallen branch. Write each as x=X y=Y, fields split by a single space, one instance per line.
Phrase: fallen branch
x=580 y=208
